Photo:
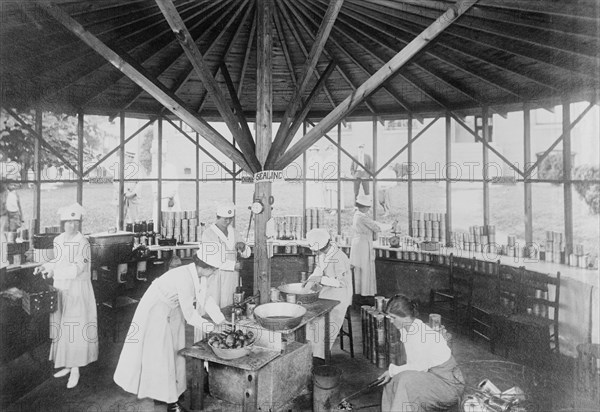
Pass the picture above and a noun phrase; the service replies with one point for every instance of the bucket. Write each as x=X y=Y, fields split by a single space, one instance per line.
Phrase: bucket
x=326 y=388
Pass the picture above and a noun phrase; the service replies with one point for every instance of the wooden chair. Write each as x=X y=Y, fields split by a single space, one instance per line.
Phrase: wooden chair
x=536 y=319
x=455 y=302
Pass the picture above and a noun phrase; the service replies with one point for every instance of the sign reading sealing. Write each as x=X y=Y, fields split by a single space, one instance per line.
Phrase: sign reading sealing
x=268 y=176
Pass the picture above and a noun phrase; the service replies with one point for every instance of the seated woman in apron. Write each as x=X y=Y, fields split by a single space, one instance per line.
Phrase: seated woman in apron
x=332 y=271
x=430 y=379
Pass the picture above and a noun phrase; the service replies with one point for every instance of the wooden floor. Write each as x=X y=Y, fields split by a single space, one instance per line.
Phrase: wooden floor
x=97 y=391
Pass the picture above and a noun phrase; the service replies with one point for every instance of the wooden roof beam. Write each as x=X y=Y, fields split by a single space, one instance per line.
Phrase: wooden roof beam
x=288 y=58
x=299 y=119
x=169 y=61
x=156 y=89
x=190 y=48
x=94 y=63
x=458 y=47
x=329 y=55
x=384 y=73
x=349 y=55
x=311 y=63
x=432 y=71
x=224 y=53
x=391 y=31
x=246 y=58
x=532 y=36
x=560 y=59
x=239 y=112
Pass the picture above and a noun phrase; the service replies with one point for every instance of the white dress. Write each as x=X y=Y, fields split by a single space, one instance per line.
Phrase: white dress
x=334 y=266
x=149 y=365
x=74 y=325
x=362 y=254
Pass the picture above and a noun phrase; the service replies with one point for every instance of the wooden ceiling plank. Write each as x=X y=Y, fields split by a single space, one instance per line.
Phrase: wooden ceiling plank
x=349 y=55
x=246 y=58
x=385 y=29
x=156 y=89
x=585 y=10
x=215 y=70
x=330 y=56
x=307 y=72
x=190 y=48
x=239 y=111
x=385 y=72
x=95 y=63
x=560 y=59
x=459 y=48
x=288 y=59
x=507 y=22
x=169 y=63
x=457 y=86
x=301 y=116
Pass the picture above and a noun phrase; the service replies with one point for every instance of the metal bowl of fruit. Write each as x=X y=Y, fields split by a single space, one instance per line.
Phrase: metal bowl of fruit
x=231 y=345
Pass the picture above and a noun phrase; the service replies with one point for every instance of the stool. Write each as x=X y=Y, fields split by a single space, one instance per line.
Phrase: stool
x=116 y=312
x=348 y=332
x=587 y=376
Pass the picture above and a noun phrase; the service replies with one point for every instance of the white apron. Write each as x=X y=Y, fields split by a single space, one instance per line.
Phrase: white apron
x=149 y=365
x=74 y=325
x=335 y=269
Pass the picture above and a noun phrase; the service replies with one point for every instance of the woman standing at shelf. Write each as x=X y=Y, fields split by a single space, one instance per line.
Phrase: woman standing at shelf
x=149 y=365
x=73 y=326
x=430 y=379
x=362 y=254
x=332 y=271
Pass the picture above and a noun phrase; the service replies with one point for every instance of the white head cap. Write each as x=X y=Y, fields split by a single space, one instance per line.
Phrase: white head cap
x=364 y=200
x=71 y=212
x=226 y=210
x=317 y=239
x=211 y=253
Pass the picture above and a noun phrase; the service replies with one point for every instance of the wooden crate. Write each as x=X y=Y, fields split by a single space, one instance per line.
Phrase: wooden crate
x=279 y=381
x=40 y=302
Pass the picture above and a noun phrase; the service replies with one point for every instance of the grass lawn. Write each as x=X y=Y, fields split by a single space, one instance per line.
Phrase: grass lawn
x=506 y=210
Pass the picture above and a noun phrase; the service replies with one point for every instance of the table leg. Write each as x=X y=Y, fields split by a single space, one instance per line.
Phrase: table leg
x=197 y=384
x=250 y=403
x=326 y=339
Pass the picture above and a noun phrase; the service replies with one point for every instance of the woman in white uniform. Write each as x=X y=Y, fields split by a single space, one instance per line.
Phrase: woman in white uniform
x=362 y=254
x=221 y=235
x=430 y=380
x=332 y=271
x=149 y=365
x=73 y=326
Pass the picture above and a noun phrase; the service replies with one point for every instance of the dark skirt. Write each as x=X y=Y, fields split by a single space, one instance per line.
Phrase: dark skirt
x=437 y=389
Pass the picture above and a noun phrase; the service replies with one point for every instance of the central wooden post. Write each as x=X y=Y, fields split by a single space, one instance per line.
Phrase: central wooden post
x=262 y=191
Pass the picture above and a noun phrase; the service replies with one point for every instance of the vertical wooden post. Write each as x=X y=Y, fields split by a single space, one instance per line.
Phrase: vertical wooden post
x=339 y=182
x=568 y=192
x=37 y=196
x=80 y=158
x=527 y=195
x=304 y=189
x=198 y=237
x=374 y=167
x=121 y=174
x=409 y=153
x=448 y=180
x=484 y=171
x=264 y=95
x=159 y=127
x=233 y=186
